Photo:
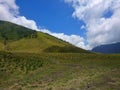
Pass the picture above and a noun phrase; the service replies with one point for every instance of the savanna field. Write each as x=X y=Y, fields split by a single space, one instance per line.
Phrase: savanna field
x=31 y=60
x=59 y=71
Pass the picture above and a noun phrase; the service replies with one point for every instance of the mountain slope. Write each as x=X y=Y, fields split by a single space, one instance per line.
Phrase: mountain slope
x=109 y=48
x=16 y=38
x=11 y=32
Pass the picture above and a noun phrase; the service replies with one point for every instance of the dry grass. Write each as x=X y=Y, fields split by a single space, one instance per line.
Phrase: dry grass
x=60 y=71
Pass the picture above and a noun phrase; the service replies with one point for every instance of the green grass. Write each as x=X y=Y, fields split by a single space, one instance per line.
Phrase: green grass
x=43 y=43
x=59 y=71
x=1 y=46
x=35 y=45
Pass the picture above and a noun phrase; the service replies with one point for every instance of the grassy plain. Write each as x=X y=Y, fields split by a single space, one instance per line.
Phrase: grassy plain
x=59 y=71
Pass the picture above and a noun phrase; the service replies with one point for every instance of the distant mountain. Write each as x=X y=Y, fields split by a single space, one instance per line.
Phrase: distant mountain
x=108 y=49
x=16 y=38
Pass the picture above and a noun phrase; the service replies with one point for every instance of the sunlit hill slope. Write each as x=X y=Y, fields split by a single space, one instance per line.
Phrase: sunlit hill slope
x=20 y=39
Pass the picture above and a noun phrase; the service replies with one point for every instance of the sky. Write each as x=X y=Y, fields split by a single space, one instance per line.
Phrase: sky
x=83 y=23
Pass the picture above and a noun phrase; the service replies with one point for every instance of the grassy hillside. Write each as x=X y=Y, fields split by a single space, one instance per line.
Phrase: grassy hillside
x=16 y=38
x=12 y=32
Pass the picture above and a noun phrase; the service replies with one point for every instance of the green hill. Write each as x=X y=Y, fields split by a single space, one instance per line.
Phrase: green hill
x=31 y=60
x=12 y=32
x=16 y=38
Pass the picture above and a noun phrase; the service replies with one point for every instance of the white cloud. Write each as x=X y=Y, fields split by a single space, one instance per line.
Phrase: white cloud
x=100 y=29
x=22 y=20
x=9 y=11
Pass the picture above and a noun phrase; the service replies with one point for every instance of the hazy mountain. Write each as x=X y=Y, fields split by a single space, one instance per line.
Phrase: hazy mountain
x=108 y=48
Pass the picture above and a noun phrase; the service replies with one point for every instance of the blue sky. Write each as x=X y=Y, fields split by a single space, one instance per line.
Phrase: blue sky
x=100 y=19
x=55 y=15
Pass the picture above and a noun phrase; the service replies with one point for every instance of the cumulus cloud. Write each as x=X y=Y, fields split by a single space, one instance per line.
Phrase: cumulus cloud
x=102 y=19
x=9 y=11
